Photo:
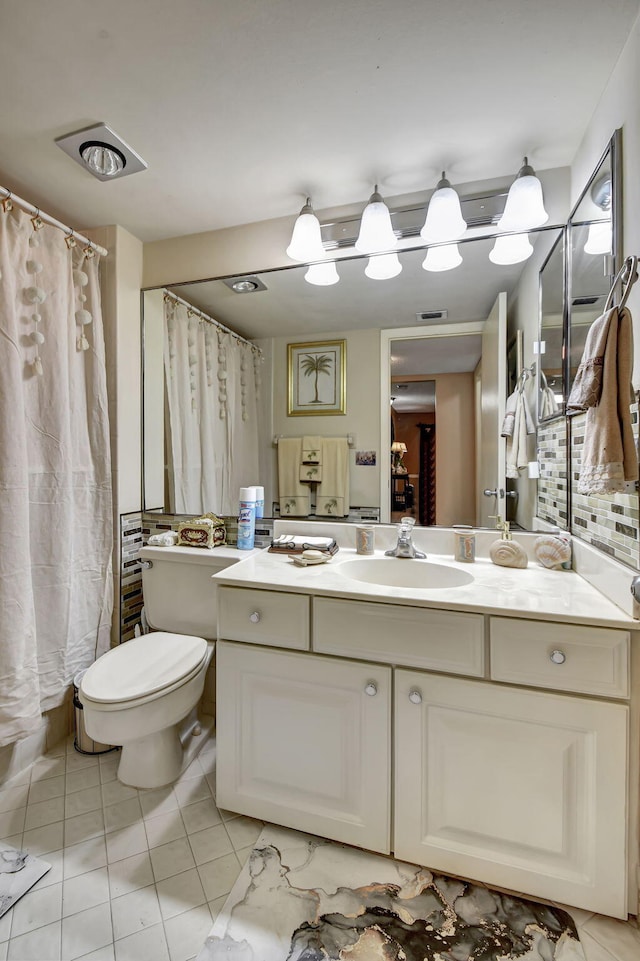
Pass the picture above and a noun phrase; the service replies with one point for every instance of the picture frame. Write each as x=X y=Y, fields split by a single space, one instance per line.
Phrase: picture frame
x=317 y=374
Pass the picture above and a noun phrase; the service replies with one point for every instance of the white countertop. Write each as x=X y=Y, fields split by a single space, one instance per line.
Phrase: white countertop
x=533 y=592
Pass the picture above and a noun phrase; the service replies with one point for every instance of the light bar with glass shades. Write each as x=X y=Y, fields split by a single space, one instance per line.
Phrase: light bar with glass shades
x=443 y=226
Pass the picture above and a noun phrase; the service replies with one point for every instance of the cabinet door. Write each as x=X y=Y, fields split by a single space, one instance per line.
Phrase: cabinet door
x=516 y=788
x=304 y=741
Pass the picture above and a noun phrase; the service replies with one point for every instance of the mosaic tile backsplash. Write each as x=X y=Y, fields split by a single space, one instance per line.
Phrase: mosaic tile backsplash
x=552 y=485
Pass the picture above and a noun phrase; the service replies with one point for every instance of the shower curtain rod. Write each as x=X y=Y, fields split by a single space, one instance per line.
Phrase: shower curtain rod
x=48 y=219
x=210 y=320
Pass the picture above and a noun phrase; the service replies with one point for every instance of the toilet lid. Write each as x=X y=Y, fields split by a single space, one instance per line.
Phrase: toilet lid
x=144 y=665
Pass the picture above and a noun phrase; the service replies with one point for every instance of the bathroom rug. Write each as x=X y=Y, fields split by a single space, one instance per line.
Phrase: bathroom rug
x=302 y=898
x=19 y=871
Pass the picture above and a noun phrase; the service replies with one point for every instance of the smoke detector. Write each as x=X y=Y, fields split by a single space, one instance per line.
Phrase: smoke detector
x=102 y=152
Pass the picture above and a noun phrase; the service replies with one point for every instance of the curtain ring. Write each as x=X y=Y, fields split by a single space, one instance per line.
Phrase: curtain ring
x=7 y=205
x=70 y=240
x=37 y=221
x=88 y=251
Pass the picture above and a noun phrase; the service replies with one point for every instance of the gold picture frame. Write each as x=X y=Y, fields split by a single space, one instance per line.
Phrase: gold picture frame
x=317 y=375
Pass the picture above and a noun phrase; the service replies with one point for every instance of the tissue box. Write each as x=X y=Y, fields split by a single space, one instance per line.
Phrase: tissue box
x=206 y=531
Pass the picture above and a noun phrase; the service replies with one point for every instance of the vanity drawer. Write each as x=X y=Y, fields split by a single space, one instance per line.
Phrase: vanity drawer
x=566 y=657
x=414 y=636
x=263 y=617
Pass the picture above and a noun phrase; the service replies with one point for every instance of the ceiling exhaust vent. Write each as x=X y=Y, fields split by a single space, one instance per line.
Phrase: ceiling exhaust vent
x=586 y=301
x=431 y=316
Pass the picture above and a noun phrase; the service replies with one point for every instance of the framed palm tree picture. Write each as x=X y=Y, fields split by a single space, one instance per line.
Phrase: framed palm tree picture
x=317 y=378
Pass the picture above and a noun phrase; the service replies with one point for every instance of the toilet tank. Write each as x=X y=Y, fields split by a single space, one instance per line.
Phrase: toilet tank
x=178 y=593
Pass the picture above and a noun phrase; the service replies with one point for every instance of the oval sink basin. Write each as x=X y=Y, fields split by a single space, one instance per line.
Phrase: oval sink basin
x=405 y=572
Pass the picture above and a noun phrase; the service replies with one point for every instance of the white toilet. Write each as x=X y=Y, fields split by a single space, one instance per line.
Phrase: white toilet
x=143 y=694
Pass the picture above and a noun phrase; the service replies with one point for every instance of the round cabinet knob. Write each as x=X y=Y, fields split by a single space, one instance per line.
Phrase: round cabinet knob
x=371 y=689
x=558 y=657
x=415 y=697
x=255 y=617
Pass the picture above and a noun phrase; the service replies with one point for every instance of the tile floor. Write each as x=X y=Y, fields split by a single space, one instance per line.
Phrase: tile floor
x=141 y=875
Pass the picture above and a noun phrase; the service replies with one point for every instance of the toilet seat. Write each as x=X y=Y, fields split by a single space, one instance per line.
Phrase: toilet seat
x=143 y=669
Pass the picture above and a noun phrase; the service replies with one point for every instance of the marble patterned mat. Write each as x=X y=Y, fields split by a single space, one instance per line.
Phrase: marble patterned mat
x=302 y=898
x=19 y=871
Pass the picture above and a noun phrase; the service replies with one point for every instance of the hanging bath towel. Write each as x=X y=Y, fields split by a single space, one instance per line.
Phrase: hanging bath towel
x=517 y=455
x=332 y=499
x=293 y=496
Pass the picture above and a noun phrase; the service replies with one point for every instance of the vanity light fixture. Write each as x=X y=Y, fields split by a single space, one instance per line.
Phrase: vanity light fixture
x=511 y=250
x=322 y=275
x=600 y=236
x=442 y=258
x=102 y=152
x=383 y=267
x=524 y=209
x=376 y=233
x=306 y=240
x=444 y=219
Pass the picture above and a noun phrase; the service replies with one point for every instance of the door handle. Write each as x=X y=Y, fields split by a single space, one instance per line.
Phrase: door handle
x=498 y=492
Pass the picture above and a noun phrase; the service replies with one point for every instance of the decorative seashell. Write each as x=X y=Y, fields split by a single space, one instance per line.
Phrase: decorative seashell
x=36 y=295
x=552 y=552
x=508 y=554
x=83 y=316
x=80 y=279
x=34 y=266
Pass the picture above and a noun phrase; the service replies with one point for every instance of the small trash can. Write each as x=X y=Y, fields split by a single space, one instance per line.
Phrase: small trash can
x=82 y=742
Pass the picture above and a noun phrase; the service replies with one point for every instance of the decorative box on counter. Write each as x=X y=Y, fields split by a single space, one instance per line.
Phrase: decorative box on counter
x=206 y=531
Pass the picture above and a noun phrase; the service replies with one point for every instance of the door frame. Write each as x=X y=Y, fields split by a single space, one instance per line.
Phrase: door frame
x=387 y=336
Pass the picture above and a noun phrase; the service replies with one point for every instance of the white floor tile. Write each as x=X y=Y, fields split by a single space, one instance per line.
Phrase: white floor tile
x=187 y=932
x=37 y=908
x=44 y=812
x=83 y=826
x=5 y=925
x=135 y=911
x=84 y=857
x=195 y=789
x=114 y=791
x=594 y=951
x=82 y=779
x=243 y=854
x=130 y=874
x=85 y=891
x=155 y=803
x=121 y=815
x=147 y=945
x=228 y=815
x=127 y=842
x=219 y=876
x=48 y=767
x=13 y=798
x=102 y=954
x=215 y=907
x=618 y=937
x=82 y=801
x=172 y=858
x=194 y=770
x=12 y=822
x=167 y=827
x=244 y=831
x=39 y=944
x=80 y=762
x=86 y=932
x=211 y=843
x=40 y=841
x=4 y=948
x=180 y=893
x=54 y=874
x=108 y=769
x=201 y=815
x=45 y=790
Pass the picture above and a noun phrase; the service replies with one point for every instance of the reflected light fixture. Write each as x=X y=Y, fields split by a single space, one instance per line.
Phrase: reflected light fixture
x=306 y=239
x=322 y=275
x=376 y=233
x=442 y=258
x=383 y=267
x=524 y=209
x=444 y=219
x=599 y=238
x=511 y=250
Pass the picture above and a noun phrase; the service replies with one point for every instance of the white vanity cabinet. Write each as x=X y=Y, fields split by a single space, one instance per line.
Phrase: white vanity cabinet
x=515 y=787
x=305 y=741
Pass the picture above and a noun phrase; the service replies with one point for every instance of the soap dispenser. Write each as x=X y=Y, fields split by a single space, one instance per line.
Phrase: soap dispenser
x=505 y=552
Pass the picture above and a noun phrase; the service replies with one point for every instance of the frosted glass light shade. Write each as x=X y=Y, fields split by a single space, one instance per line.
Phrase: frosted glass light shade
x=444 y=219
x=599 y=238
x=322 y=275
x=524 y=209
x=383 y=267
x=306 y=239
x=103 y=159
x=376 y=233
x=511 y=250
x=442 y=258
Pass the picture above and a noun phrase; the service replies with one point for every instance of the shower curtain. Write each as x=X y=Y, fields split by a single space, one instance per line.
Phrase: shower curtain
x=212 y=382
x=56 y=525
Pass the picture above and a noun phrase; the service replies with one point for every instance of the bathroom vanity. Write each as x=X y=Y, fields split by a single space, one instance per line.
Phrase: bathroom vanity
x=485 y=730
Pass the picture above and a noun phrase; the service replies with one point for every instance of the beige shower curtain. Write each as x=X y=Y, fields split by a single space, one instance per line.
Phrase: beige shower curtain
x=56 y=533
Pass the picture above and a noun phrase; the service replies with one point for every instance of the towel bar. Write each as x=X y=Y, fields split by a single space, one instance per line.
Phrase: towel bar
x=351 y=441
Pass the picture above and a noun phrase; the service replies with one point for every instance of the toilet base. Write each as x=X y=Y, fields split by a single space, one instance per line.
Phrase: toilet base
x=159 y=759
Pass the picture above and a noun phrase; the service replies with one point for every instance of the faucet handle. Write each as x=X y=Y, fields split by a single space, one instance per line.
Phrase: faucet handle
x=407 y=522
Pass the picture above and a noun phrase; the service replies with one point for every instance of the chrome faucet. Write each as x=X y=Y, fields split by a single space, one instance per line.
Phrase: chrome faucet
x=404 y=547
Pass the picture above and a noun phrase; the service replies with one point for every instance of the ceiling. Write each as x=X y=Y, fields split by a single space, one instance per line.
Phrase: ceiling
x=242 y=108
